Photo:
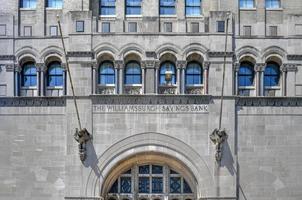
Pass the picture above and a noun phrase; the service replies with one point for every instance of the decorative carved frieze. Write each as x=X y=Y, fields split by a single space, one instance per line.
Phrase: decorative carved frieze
x=294 y=57
x=268 y=101
x=31 y=101
x=10 y=67
x=215 y=54
x=289 y=67
x=149 y=64
x=80 y=54
x=7 y=57
x=167 y=89
x=194 y=90
x=133 y=89
x=106 y=89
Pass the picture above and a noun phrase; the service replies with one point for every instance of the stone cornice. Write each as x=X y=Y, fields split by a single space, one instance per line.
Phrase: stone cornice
x=80 y=54
x=32 y=101
x=7 y=57
x=215 y=54
x=294 y=57
x=269 y=101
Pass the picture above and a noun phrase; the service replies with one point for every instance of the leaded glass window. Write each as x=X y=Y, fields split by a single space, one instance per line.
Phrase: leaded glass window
x=247 y=3
x=143 y=185
x=193 y=7
x=175 y=184
x=107 y=7
x=272 y=4
x=271 y=75
x=55 y=75
x=133 y=7
x=167 y=7
x=133 y=73
x=166 y=67
x=29 y=75
x=193 y=74
x=157 y=185
x=125 y=186
x=106 y=73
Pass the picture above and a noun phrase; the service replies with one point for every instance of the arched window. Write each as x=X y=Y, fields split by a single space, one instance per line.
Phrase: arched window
x=167 y=67
x=246 y=75
x=150 y=179
x=194 y=74
x=133 y=73
x=271 y=75
x=55 y=75
x=29 y=75
x=106 y=73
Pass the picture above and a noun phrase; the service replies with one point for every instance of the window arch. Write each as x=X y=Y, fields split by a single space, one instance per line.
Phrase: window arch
x=246 y=74
x=133 y=73
x=167 y=67
x=55 y=75
x=106 y=73
x=271 y=75
x=194 y=74
x=29 y=75
x=150 y=179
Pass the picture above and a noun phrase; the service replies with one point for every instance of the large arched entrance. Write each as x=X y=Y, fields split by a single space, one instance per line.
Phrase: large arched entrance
x=147 y=176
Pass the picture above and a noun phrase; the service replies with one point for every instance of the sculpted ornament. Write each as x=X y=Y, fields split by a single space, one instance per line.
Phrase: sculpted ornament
x=218 y=137
x=82 y=137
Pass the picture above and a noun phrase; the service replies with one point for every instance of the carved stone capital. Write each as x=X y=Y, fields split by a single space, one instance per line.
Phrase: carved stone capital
x=259 y=67
x=206 y=65
x=181 y=64
x=289 y=67
x=94 y=64
x=17 y=68
x=236 y=67
x=148 y=64
x=9 y=67
x=118 y=64
x=64 y=66
x=40 y=67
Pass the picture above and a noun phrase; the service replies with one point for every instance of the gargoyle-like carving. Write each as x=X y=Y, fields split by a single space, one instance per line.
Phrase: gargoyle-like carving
x=82 y=137
x=218 y=136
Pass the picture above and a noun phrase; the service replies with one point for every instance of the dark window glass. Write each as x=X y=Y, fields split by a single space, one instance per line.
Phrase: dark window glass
x=156 y=169
x=247 y=4
x=143 y=185
x=28 y=3
x=133 y=7
x=114 y=187
x=106 y=27
x=133 y=73
x=271 y=75
x=125 y=185
x=175 y=185
x=107 y=7
x=54 y=3
x=29 y=75
x=220 y=26
x=106 y=73
x=186 y=187
x=173 y=172
x=165 y=67
x=246 y=75
x=193 y=7
x=193 y=74
x=55 y=75
x=157 y=185
x=272 y=4
x=167 y=7
x=144 y=169
x=79 y=26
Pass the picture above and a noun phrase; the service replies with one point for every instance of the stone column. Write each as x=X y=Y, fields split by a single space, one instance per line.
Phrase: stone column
x=259 y=69
x=143 y=67
x=156 y=71
x=179 y=66
x=236 y=71
x=289 y=73
x=18 y=70
x=64 y=79
x=10 y=80
x=119 y=64
x=206 y=66
x=116 y=79
x=41 y=71
x=183 y=84
x=94 y=76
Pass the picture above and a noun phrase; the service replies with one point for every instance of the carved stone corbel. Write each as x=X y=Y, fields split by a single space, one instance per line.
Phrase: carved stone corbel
x=119 y=64
x=206 y=65
x=181 y=64
x=259 y=67
x=218 y=136
x=236 y=67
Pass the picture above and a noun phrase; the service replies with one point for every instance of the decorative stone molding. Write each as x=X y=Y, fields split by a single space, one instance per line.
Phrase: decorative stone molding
x=17 y=68
x=194 y=90
x=64 y=66
x=269 y=101
x=7 y=57
x=259 y=67
x=80 y=54
x=118 y=64
x=289 y=67
x=236 y=67
x=94 y=64
x=206 y=65
x=151 y=54
x=106 y=89
x=167 y=89
x=31 y=101
x=10 y=67
x=41 y=67
x=215 y=54
x=294 y=57
x=181 y=64
x=133 y=89
x=148 y=64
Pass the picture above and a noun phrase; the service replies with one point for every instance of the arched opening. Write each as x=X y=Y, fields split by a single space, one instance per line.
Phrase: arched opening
x=55 y=79
x=150 y=176
x=27 y=78
x=246 y=79
x=271 y=80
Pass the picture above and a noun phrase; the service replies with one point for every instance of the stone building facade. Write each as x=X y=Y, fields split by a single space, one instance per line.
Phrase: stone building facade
x=151 y=133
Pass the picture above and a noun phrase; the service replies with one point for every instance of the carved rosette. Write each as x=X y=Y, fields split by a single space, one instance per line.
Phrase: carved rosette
x=167 y=89
x=133 y=89
x=194 y=90
x=106 y=89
